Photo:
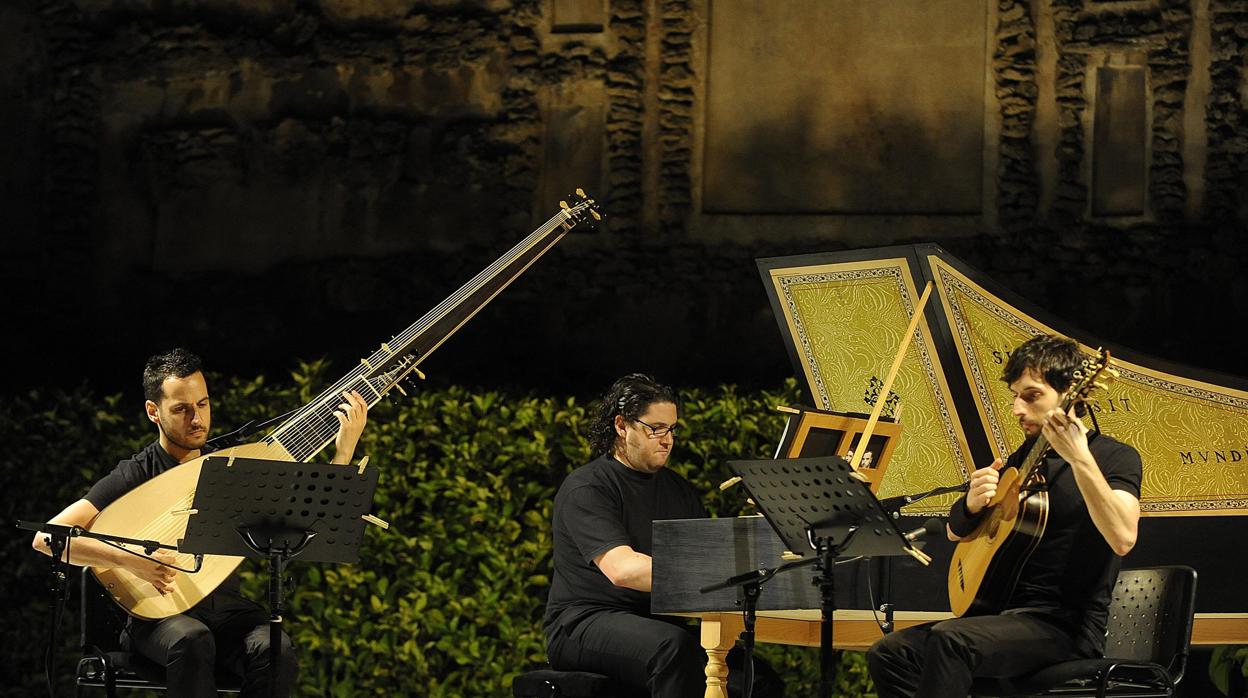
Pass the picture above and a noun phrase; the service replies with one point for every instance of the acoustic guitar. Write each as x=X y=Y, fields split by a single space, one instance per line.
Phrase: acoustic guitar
x=986 y=564
x=159 y=509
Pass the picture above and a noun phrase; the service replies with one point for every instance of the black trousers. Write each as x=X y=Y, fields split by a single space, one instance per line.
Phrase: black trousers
x=648 y=656
x=942 y=659
x=654 y=657
x=222 y=635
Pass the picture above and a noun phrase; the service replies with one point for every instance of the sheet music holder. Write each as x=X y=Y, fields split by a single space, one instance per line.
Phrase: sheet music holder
x=279 y=510
x=823 y=510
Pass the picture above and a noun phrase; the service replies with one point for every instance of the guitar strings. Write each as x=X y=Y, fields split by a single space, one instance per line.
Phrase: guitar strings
x=313 y=428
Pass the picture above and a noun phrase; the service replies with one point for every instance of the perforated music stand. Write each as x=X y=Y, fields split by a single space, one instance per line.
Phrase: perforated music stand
x=820 y=507
x=278 y=510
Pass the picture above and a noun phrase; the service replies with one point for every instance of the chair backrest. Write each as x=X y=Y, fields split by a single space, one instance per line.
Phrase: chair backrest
x=102 y=619
x=1150 y=616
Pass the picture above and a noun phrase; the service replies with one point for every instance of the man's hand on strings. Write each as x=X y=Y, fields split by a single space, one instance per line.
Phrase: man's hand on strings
x=983 y=486
x=352 y=415
x=1067 y=435
x=158 y=575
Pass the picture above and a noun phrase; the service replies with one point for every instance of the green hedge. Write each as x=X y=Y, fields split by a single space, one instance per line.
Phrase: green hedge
x=449 y=601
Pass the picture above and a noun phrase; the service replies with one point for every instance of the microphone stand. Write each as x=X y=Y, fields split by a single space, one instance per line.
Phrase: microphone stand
x=894 y=505
x=58 y=537
x=236 y=437
x=61 y=530
x=58 y=543
x=751 y=584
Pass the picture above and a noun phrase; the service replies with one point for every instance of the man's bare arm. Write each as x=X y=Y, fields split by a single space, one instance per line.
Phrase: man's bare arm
x=87 y=552
x=626 y=567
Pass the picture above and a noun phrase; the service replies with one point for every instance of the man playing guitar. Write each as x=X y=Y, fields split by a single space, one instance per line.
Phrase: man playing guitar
x=225 y=633
x=1058 y=606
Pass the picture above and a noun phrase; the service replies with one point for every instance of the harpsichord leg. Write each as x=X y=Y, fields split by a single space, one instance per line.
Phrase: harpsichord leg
x=719 y=634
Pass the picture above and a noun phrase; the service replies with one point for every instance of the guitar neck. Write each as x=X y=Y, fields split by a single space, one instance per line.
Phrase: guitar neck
x=312 y=428
x=1035 y=456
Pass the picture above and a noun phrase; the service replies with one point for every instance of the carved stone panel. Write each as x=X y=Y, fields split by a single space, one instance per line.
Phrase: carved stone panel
x=843 y=106
x=573 y=147
x=1119 y=186
x=578 y=16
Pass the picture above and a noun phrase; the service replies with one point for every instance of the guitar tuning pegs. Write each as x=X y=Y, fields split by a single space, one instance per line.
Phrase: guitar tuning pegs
x=594 y=213
x=563 y=205
x=580 y=192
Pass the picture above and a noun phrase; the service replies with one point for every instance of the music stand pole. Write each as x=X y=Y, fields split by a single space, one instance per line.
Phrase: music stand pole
x=277 y=556
x=302 y=502
x=822 y=505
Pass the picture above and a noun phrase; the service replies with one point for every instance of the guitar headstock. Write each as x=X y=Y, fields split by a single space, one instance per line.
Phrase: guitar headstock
x=392 y=377
x=582 y=211
x=1096 y=373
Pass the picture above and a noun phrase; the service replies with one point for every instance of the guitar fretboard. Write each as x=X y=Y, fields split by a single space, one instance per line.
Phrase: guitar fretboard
x=314 y=427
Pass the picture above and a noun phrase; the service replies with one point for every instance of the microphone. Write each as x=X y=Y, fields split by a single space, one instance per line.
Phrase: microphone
x=930 y=527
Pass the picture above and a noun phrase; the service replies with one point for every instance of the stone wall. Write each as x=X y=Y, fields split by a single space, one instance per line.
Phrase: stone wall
x=280 y=179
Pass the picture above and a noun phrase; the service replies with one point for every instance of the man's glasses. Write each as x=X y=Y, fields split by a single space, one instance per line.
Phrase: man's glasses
x=657 y=432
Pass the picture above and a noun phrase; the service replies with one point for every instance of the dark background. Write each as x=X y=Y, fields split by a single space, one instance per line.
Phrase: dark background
x=281 y=179
x=273 y=180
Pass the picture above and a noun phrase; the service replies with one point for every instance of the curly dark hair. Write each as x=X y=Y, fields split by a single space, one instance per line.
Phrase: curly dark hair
x=628 y=397
x=175 y=363
x=1055 y=358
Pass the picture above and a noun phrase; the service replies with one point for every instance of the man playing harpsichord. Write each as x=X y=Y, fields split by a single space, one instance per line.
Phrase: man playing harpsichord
x=224 y=634
x=598 y=613
x=1059 y=606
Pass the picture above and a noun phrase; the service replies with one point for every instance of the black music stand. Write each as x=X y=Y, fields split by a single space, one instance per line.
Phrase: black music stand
x=822 y=510
x=279 y=510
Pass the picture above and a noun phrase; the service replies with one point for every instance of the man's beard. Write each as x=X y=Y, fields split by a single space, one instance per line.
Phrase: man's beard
x=183 y=444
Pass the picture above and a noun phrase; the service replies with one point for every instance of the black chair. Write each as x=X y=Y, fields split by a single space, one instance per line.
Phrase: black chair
x=548 y=683
x=105 y=663
x=1149 y=635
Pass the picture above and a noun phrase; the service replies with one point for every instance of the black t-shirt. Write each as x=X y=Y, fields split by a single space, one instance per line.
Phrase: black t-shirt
x=134 y=471
x=600 y=506
x=1073 y=570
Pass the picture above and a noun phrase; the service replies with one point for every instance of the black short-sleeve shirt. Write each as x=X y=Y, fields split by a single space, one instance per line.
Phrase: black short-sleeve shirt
x=1073 y=570
x=600 y=506
x=134 y=471
x=129 y=474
